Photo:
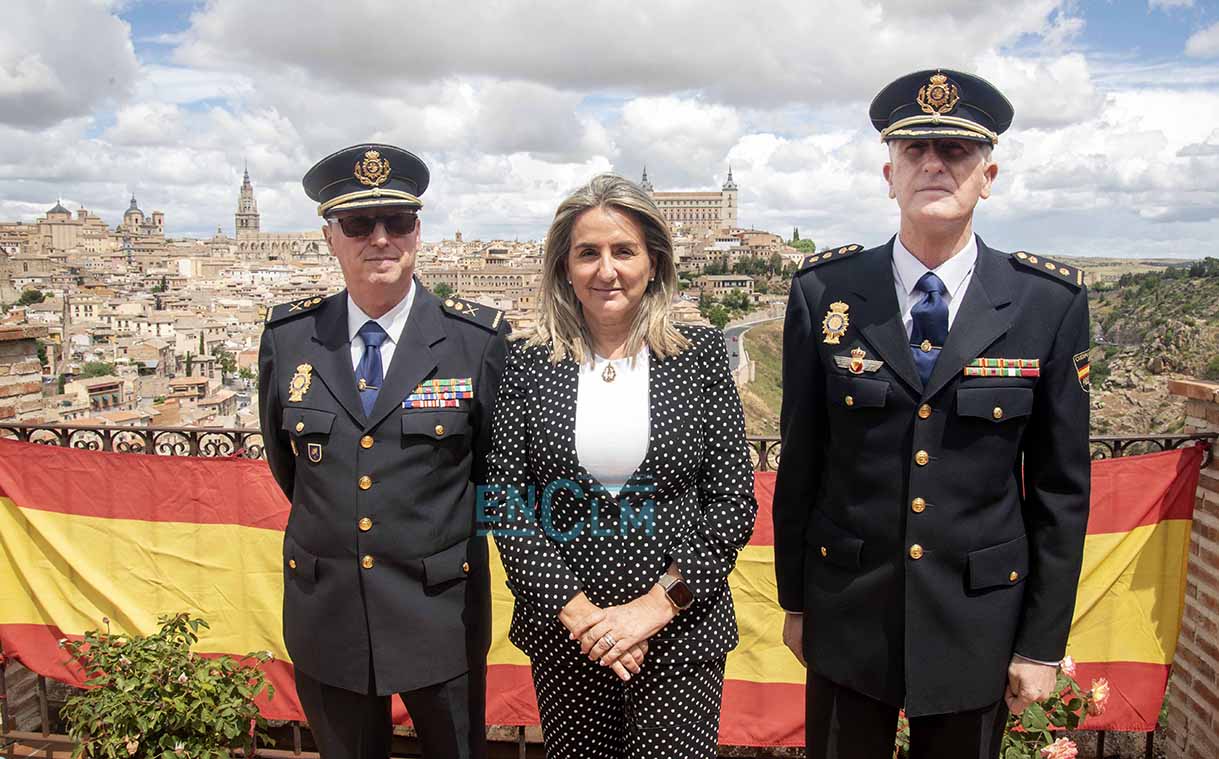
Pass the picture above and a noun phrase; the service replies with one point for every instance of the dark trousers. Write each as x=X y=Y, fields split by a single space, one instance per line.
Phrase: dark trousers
x=841 y=723
x=449 y=717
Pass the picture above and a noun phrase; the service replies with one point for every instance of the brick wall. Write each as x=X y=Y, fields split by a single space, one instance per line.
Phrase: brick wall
x=1193 y=698
x=20 y=373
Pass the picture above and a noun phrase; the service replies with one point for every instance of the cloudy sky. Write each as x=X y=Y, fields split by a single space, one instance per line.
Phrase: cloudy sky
x=1114 y=149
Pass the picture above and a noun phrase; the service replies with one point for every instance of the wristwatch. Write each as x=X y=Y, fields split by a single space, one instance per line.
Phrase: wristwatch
x=677 y=590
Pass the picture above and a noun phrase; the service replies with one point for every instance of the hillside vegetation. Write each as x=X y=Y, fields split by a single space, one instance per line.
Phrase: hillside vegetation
x=1152 y=323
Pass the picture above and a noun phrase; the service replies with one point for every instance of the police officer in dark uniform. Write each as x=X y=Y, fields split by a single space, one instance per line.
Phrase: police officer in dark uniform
x=375 y=406
x=932 y=495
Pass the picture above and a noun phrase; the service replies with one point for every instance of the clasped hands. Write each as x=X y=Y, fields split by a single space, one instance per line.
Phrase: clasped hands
x=628 y=626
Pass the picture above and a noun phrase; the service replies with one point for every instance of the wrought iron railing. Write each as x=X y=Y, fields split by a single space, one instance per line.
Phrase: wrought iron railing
x=764 y=451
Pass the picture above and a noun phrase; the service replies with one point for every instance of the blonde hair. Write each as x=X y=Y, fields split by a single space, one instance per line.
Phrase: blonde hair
x=560 y=318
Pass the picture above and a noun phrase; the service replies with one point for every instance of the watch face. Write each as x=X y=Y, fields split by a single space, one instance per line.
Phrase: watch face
x=679 y=593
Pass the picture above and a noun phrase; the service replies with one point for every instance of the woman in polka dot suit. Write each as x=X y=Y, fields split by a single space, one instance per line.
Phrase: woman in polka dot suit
x=620 y=491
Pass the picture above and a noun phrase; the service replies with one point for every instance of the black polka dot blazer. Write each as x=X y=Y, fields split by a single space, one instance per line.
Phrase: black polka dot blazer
x=691 y=500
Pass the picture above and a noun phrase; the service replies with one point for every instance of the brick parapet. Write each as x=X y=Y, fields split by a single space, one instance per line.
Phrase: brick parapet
x=1193 y=697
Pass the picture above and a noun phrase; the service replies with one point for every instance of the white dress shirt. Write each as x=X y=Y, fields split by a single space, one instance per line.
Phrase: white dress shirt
x=613 y=419
x=392 y=321
x=955 y=273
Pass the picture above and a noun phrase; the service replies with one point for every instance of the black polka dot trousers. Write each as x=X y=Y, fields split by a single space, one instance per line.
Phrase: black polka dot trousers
x=667 y=711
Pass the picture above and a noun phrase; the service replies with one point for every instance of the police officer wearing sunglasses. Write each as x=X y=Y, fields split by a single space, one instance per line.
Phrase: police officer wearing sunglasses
x=375 y=405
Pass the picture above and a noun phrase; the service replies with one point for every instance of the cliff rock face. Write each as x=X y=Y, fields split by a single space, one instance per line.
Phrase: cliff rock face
x=1149 y=328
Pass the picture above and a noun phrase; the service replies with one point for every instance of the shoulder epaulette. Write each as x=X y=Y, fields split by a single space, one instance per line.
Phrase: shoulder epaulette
x=295 y=308
x=833 y=254
x=483 y=316
x=1059 y=271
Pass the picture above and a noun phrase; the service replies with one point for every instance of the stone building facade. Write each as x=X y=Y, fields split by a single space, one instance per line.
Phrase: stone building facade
x=20 y=373
x=697 y=213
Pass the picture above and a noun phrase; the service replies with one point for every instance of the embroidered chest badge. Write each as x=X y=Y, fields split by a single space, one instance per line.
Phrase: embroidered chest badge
x=299 y=385
x=835 y=323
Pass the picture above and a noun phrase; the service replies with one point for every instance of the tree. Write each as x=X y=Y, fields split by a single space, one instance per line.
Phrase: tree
x=190 y=362
x=42 y=354
x=30 y=297
x=161 y=287
x=247 y=374
x=96 y=369
x=795 y=234
x=775 y=264
x=805 y=246
x=442 y=290
x=718 y=316
x=227 y=362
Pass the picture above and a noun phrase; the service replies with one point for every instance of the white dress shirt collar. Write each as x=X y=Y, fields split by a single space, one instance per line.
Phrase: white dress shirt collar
x=392 y=321
x=953 y=273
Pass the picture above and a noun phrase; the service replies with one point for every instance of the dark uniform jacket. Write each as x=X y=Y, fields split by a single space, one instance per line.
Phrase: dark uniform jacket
x=382 y=578
x=691 y=499
x=903 y=529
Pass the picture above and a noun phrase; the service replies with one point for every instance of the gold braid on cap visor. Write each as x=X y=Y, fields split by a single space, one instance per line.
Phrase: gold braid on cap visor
x=374 y=197
x=951 y=121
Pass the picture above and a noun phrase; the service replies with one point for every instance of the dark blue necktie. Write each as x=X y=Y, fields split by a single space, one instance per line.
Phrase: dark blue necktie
x=369 y=374
x=930 y=330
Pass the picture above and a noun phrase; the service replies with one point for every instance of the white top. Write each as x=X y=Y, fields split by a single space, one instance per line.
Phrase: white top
x=613 y=422
x=955 y=273
x=392 y=321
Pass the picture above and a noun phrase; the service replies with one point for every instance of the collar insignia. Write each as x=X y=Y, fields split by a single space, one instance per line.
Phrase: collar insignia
x=373 y=170
x=939 y=97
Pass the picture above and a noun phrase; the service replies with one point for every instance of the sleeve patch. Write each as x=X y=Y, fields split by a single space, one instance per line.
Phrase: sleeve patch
x=1082 y=370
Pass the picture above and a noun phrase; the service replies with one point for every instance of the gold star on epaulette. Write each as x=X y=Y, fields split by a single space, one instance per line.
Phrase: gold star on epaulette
x=483 y=316
x=1059 y=271
x=295 y=308
x=831 y=254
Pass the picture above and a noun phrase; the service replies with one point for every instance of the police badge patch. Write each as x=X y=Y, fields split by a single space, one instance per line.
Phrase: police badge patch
x=835 y=323
x=1082 y=370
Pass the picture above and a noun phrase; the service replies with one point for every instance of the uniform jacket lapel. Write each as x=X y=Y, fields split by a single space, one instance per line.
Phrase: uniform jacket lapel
x=982 y=318
x=413 y=357
x=331 y=355
x=879 y=318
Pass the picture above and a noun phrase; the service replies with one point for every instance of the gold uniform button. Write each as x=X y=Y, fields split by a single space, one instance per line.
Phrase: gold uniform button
x=365 y=524
x=366 y=441
x=465 y=567
x=924 y=411
x=997 y=413
x=916 y=551
x=439 y=430
x=292 y=563
x=365 y=482
x=849 y=400
x=921 y=458
x=918 y=505
x=300 y=426
x=367 y=562
x=824 y=552
x=1014 y=576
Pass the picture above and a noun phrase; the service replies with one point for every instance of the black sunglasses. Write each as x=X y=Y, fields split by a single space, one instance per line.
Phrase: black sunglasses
x=396 y=224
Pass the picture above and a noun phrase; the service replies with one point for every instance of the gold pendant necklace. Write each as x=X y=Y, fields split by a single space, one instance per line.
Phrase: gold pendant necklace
x=608 y=374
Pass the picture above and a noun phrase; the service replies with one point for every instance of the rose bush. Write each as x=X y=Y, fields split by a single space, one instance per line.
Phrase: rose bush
x=151 y=696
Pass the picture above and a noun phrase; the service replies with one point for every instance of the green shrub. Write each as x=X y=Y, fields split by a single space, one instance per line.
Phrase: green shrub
x=150 y=696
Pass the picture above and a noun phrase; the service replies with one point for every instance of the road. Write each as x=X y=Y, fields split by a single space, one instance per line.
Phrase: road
x=732 y=339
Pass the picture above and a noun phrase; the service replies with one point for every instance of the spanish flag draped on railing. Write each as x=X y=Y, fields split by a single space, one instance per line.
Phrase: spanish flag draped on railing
x=87 y=535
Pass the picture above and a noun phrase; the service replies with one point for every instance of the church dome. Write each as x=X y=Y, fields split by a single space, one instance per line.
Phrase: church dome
x=59 y=209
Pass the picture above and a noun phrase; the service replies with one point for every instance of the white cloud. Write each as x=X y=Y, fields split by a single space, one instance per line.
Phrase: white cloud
x=1168 y=4
x=60 y=59
x=1204 y=43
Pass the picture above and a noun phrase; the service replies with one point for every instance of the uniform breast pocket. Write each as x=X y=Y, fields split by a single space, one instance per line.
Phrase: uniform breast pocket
x=857 y=394
x=995 y=404
x=309 y=431
x=447 y=432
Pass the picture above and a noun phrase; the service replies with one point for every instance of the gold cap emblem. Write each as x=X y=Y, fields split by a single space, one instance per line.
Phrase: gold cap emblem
x=939 y=97
x=835 y=323
x=373 y=170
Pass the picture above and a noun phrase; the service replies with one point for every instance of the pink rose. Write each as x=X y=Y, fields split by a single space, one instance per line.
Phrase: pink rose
x=1068 y=667
x=183 y=679
x=1100 y=696
x=1063 y=748
x=132 y=747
